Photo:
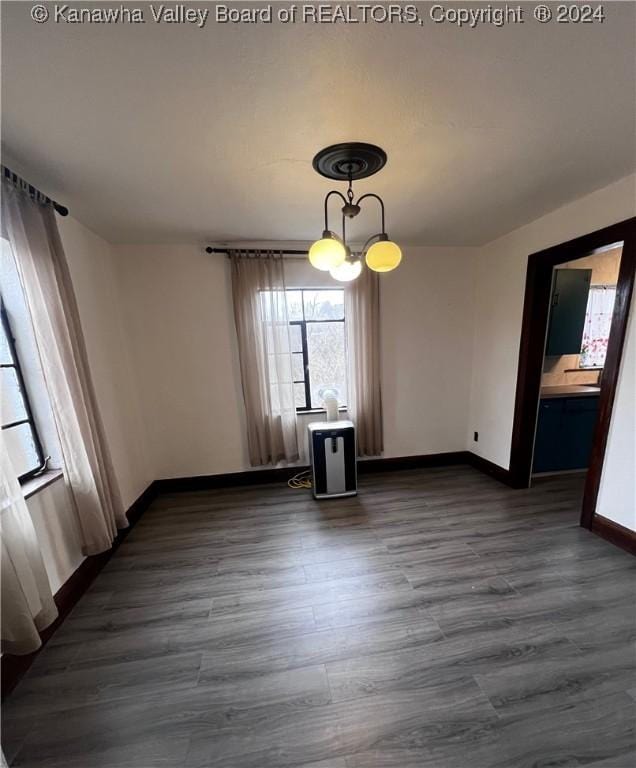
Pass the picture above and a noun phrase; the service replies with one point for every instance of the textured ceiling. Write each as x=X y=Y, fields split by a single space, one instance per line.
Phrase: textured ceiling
x=169 y=133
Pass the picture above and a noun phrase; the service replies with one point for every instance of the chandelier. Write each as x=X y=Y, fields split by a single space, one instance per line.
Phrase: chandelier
x=350 y=162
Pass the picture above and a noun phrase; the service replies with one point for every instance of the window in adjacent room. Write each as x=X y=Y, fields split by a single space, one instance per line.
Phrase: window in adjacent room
x=317 y=336
x=598 y=321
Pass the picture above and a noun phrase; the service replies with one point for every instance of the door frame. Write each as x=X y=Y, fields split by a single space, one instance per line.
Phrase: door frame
x=536 y=310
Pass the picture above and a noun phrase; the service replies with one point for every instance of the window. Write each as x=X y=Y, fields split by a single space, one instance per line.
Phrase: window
x=596 y=331
x=317 y=337
x=27 y=421
x=20 y=433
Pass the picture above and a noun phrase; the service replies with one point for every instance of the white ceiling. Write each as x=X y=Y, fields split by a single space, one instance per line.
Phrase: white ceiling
x=169 y=133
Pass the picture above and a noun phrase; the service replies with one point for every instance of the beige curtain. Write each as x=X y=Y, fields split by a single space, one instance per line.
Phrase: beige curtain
x=362 y=313
x=264 y=342
x=32 y=230
x=27 y=602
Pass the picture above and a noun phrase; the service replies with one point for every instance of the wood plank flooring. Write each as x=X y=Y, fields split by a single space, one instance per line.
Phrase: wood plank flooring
x=438 y=620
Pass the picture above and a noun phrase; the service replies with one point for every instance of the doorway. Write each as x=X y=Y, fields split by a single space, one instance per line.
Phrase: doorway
x=579 y=325
x=535 y=334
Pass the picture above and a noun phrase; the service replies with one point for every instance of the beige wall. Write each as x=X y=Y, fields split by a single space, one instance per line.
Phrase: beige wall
x=91 y=263
x=179 y=326
x=604 y=266
x=559 y=370
x=427 y=307
x=562 y=370
x=178 y=306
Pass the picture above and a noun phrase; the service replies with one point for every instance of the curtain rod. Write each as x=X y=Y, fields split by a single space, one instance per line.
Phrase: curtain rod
x=32 y=191
x=256 y=251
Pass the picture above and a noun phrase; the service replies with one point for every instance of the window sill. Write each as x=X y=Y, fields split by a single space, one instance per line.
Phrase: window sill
x=40 y=482
x=313 y=411
x=576 y=370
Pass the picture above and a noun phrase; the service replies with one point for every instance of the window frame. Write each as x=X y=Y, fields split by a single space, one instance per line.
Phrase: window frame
x=305 y=347
x=306 y=381
x=30 y=420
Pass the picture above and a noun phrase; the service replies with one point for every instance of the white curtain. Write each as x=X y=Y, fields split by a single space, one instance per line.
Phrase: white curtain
x=598 y=321
x=27 y=602
x=362 y=319
x=264 y=342
x=31 y=229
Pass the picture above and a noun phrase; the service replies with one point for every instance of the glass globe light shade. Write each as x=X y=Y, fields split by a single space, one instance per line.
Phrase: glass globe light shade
x=383 y=256
x=347 y=271
x=327 y=253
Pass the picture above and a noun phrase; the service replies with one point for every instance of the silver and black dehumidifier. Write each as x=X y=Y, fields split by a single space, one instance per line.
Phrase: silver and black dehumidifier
x=332 y=453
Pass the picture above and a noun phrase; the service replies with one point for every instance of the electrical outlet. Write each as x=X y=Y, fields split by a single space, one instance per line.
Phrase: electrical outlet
x=476 y=436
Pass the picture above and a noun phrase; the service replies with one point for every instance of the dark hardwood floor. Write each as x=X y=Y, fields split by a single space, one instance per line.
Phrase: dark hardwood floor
x=438 y=620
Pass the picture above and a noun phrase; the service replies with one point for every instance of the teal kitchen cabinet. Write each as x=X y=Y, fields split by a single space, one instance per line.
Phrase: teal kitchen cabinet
x=580 y=420
x=570 y=288
x=565 y=433
x=547 y=449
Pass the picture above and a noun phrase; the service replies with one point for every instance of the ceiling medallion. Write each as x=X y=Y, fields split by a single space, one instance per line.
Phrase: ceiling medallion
x=349 y=162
